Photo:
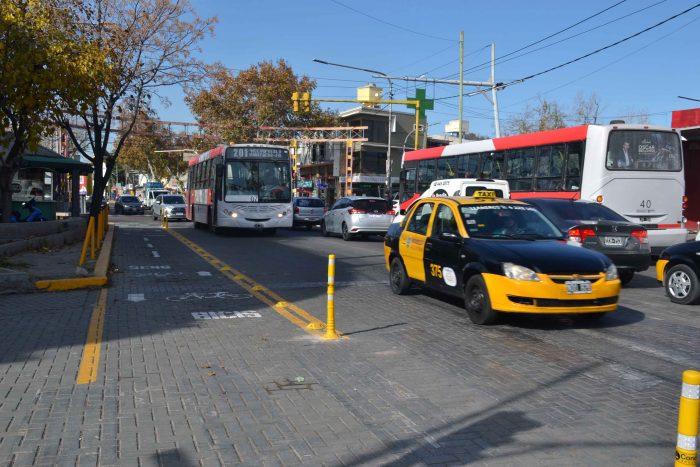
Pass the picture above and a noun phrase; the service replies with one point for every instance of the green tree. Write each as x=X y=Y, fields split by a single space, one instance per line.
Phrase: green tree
x=237 y=106
x=44 y=52
x=148 y=45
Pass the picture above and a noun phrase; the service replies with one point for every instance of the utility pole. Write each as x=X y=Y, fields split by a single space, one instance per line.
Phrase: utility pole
x=461 y=81
x=496 y=120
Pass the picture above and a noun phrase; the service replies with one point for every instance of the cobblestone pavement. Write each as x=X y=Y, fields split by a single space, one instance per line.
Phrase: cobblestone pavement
x=412 y=382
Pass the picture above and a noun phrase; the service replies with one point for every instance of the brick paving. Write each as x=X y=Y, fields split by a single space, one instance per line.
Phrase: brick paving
x=412 y=384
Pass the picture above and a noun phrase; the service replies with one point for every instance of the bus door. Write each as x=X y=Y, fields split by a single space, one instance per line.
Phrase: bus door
x=407 y=184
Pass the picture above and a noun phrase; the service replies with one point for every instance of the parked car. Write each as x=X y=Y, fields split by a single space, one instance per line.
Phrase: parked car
x=128 y=204
x=172 y=205
x=678 y=268
x=600 y=228
x=308 y=212
x=357 y=215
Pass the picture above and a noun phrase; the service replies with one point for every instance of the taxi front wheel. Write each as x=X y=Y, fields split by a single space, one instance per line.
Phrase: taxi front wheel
x=477 y=301
x=398 y=279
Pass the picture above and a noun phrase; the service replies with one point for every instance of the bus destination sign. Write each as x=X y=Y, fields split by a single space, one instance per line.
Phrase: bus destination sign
x=252 y=152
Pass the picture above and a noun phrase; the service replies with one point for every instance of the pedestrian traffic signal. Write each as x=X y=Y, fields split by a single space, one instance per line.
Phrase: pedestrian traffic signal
x=295 y=101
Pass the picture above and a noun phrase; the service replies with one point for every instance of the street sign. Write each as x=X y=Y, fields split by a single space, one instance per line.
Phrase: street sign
x=307 y=184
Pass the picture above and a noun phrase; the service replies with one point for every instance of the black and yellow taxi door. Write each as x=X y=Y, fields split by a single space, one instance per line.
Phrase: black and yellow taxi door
x=442 y=249
x=412 y=241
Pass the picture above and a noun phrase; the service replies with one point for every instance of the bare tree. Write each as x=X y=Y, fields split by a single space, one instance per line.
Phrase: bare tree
x=586 y=109
x=547 y=115
x=148 y=44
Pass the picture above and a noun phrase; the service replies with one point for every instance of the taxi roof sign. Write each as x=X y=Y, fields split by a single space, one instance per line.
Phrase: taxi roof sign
x=485 y=194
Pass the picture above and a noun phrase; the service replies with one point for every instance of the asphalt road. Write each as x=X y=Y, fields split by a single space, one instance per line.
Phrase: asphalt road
x=206 y=360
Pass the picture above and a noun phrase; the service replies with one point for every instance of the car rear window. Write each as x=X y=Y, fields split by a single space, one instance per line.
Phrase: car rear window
x=173 y=200
x=585 y=212
x=371 y=205
x=309 y=203
x=130 y=199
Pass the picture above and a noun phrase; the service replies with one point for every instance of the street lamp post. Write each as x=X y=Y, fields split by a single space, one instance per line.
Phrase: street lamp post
x=391 y=97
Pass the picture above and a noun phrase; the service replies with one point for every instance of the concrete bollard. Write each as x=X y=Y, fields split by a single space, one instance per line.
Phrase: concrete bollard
x=688 y=417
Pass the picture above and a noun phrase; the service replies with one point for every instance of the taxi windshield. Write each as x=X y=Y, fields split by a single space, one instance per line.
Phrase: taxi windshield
x=507 y=221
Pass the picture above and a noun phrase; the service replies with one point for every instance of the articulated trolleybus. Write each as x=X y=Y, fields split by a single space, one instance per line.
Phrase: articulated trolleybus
x=636 y=170
x=244 y=186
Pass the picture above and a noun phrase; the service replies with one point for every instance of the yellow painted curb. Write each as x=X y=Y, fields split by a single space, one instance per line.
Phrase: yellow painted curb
x=98 y=280
x=54 y=285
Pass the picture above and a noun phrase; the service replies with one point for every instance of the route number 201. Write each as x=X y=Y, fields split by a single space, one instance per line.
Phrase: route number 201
x=645 y=204
x=436 y=270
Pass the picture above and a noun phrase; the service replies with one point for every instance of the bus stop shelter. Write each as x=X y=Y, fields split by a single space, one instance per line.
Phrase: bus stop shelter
x=48 y=160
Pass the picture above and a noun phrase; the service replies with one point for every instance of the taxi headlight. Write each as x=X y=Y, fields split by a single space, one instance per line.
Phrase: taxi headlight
x=521 y=273
x=611 y=273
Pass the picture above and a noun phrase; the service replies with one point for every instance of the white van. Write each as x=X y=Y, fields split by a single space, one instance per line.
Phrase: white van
x=150 y=197
x=457 y=187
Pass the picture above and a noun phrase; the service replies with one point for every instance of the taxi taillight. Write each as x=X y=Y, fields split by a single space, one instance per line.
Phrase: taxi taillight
x=580 y=234
x=640 y=235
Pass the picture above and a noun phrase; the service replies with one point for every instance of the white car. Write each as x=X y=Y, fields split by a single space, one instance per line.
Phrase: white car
x=172 y=206
x=353 y=216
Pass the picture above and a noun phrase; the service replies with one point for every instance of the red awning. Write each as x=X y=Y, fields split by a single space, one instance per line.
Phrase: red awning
x=689 y=118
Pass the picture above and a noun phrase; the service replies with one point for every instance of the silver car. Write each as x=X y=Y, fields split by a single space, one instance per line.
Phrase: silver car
x=172 y=205
x=308 y=212
x=357 y=215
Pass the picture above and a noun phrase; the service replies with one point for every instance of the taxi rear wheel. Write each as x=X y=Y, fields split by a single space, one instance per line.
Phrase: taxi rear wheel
x=398 y=279
x=682 y=285
x=477 y=301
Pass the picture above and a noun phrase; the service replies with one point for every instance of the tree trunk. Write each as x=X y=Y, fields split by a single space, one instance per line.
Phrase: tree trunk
x=6 y=175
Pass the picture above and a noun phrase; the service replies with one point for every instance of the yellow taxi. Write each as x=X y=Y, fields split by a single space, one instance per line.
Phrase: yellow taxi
x=501 y=256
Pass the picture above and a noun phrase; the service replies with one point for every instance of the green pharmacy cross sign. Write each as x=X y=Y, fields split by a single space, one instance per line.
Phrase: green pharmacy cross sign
x=425 y=104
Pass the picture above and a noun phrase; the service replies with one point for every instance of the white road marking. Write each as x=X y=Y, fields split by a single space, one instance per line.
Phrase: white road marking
x=225 y=314
x=145 y=239
x=204 y=273
x=149 y=267
x=155 y=254
x=136 y=297
x=149 y=245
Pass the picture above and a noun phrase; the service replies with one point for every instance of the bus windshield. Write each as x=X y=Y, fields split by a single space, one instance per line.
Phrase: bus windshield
x=257 y=181
x=507 y=221
x=643 y=150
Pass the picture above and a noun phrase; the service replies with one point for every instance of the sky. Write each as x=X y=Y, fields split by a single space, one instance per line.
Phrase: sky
x=642 y=75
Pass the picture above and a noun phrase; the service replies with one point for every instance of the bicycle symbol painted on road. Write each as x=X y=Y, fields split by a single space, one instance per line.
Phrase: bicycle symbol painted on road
x=208 y=295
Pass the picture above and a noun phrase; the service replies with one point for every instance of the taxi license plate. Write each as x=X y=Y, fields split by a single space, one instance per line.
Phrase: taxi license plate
x=578 y=287
x=612 y=241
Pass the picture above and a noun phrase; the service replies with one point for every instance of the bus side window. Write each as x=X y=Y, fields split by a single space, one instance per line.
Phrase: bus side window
x=550 y=165
x=574 y=164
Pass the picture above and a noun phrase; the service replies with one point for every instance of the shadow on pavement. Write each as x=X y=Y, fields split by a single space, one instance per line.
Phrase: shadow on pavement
x=172 y=458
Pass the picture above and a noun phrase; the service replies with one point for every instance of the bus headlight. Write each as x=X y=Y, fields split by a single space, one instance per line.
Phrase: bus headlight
x=234 y=214
x=521 y=273
x=611 y=273
x=282 y=214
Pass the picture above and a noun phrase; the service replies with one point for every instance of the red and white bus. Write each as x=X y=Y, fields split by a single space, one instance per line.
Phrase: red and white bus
x=636 y=170
x=245 y=186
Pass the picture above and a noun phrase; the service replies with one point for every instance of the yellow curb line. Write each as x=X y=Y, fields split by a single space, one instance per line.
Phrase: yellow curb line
x=99 y=279
x=90 y=361
x=291 y=312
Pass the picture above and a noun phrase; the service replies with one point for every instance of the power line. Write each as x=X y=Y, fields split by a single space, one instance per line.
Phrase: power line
x=547 y=37
x=499 y=60
x=391 y=24
x=534 y=75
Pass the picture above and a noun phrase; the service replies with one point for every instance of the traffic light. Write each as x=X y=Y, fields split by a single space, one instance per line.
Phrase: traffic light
x=306 y=102
x=295 y=101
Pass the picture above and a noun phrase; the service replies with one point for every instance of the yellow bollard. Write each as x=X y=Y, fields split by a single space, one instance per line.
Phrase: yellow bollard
x=88 y=234
x=330 y=325
x=100 y=227
x=688 y=417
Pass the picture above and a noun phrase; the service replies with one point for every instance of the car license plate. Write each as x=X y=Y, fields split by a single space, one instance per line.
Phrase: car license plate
x=612 y=241
x=578 y=287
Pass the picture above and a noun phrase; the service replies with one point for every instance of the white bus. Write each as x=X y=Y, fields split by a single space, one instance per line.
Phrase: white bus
x=636 y=170
x=244 y=186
